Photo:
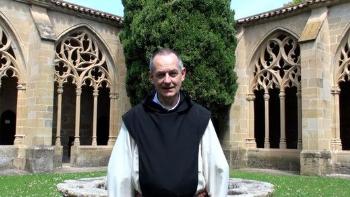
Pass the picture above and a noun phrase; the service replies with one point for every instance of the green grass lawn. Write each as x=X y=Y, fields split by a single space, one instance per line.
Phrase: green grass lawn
x=44 y=184
x=295 y=185
x=38 y=185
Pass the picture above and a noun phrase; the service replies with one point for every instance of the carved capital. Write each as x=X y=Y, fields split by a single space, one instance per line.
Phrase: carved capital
x=335 y=90
x=266 y=96
x=250 y=97
x=21 y=86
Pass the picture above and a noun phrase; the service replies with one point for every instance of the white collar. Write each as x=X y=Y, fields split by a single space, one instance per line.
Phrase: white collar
x=168 y=108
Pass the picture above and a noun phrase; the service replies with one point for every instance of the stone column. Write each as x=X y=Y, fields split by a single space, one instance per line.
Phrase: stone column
x=77 y=117
x=300 y=143
x=267 y=128
x=112 y=118
x=315 y=59
x=59 y=114
x=283 y=144
x=21 y=114
x=250 y=141
x=336 y=141
x=94 y=120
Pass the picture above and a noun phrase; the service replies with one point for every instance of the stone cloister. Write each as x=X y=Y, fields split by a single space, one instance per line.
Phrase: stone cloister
x=62 y=85
x=290 y=110
x=62 y=90
x=80 y=61
x=277 y=67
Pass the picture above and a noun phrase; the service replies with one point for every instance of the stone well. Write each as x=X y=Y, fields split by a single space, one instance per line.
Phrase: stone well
x=97 y=187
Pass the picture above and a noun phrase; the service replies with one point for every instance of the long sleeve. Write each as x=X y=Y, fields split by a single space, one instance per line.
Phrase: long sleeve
x=119 y=176
x=216 y=169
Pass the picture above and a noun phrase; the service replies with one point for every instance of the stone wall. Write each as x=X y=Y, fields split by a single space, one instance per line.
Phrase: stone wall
x=321 y=32
x=34 y=28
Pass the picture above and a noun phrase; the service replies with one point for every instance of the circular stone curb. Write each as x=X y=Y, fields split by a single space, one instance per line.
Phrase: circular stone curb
x=97 y=187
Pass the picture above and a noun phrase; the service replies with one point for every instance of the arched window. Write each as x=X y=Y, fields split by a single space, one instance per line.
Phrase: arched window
x=8 y=89
x=341 y=92
x=276 y=90
x=83 y=83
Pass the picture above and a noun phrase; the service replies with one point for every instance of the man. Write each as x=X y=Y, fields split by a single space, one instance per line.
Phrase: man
x=167 y=145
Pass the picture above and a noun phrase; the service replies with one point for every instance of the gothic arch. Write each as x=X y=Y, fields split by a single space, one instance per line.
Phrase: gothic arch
x=12 y=82
x=339 y=73
x=341 y=94
x=275 y=89
x=259 y=45
x=84 y=67
x=103 y=46
x=15 y=44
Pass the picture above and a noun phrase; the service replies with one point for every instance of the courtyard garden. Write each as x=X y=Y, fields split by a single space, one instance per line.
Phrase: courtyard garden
x=44 y=184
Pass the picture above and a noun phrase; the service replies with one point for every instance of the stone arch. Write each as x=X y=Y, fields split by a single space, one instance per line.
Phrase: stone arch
x=112 y=66
x=12 y=79
x=16 y=46
x=341 y=94
x=264 y=39
x=274 y=90
x=85 y=69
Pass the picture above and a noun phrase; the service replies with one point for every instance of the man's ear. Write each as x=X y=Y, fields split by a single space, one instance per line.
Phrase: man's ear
x=183 y=73
x=150 y=77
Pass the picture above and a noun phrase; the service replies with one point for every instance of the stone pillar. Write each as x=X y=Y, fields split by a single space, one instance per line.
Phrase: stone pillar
x=267 y=128
x=20 y=114
x=59 y=114
x=315 y=58
x=77 y=117
x=113 y=115
x=300 y=143
x=283 y=144
x=336 y=141
x=94 y=119
x=250 y=141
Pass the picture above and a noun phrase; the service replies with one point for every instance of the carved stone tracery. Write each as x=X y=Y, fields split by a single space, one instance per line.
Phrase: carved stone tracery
x=79 y=58
x=8 y=63
x=278 y=65
x=343 y=72
x=80 y=61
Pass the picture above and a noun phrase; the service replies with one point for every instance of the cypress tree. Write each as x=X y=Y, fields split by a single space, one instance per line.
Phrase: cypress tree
x=201 y=31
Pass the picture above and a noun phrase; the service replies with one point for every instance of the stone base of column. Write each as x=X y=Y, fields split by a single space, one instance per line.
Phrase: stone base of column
x=283 y=144
x=19 y=139
x=112 y=140
x=300 y=144
x=76 y=141
x=250 y=143
x=237 y=158
x=39 y=159
x=58 y=155
x=336 y=144
x=58 y=141
x=90 y=156
x=316 y=163
x=266 y=144
x=94 y=141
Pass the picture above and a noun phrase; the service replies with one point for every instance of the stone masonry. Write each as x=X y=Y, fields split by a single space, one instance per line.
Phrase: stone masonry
x=31 y=34
x=317 y=142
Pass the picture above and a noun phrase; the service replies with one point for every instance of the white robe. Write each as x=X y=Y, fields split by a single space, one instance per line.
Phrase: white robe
x=123 y=166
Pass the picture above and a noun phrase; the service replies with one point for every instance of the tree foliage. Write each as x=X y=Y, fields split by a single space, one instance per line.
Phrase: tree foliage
x=201 y=31
x=294 y=2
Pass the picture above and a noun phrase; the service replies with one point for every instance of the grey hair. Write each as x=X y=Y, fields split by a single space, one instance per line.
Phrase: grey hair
x=165 y=51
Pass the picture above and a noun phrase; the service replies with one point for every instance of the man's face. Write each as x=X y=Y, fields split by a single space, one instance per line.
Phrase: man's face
x=167 y=77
